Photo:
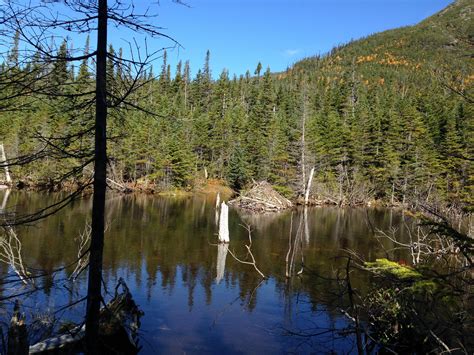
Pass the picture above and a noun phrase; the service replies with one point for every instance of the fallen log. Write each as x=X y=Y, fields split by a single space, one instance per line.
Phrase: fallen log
x=119 y=187
x=119 y=324
x=65 y=341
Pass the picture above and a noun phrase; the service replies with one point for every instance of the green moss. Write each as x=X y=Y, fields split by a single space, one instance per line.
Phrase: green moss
x=393 y=268
x=404 y=273
x=429 y=286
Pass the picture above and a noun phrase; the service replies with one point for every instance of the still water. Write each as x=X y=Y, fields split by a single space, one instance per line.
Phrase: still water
x=165 y=249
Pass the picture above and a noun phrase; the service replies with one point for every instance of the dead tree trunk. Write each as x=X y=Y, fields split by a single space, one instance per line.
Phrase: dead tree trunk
x=94 y=295
x=218 y=202
x=224 y=224
x=308 y=186
x=303 y=143
x=3 y=158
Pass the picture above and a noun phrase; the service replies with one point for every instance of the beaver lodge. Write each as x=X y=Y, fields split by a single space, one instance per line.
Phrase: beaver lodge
x=260 y=198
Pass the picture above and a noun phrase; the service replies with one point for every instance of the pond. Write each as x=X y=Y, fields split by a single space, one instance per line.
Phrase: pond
x=165 y=249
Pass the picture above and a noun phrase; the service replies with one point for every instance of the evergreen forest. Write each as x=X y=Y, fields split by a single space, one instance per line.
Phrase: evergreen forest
x=388 y=117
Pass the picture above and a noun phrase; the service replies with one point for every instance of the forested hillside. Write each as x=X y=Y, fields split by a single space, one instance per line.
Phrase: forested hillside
x=386 y=117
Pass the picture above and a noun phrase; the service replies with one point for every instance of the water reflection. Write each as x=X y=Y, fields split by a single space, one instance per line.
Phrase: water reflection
x=196 y=299
x=222 y=249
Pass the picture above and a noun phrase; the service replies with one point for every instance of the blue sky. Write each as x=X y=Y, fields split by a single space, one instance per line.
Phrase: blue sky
x=240 y=33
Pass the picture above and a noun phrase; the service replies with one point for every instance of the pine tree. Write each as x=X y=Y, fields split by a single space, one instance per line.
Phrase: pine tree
x=84 y=76
x=13 y=55
x=60 y=72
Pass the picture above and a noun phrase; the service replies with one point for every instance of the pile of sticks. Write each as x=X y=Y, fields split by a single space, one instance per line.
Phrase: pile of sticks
x=262 y=198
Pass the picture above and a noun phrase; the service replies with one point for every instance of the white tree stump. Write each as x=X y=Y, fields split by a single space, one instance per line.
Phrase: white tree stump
x=224 y=224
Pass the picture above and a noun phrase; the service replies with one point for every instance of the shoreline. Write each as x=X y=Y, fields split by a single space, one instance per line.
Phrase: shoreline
x=210 y=187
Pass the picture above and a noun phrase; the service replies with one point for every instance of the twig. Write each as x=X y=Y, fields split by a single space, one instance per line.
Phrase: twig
x=249 y=252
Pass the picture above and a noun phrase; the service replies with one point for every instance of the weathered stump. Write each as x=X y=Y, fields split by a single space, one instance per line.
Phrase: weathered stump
x=224 y=224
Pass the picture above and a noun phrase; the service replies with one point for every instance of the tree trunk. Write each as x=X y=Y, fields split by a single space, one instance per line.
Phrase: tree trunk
x=392 y=199
x=308 y=187
x=94 y=295
x=218 y=202
x=303 y=144
x=224 y=224
x=3 y=158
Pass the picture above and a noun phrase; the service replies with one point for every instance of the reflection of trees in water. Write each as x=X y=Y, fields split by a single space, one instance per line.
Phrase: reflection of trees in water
x=11 y=247
x=11 y=254
x=171 y=238
x=296 y=245
x=178 y=237
x=82 y=252
x=261 y=221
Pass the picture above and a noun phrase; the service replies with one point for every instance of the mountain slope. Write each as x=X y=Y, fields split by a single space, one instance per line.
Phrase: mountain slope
x=448 y=34
x=402 y=102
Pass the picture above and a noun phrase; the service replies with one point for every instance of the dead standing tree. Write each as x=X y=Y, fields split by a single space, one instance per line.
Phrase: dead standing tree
x=37 y=25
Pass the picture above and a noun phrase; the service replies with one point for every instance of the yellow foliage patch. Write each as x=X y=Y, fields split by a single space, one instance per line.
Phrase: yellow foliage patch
x=367 y=58
x=467 y=81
